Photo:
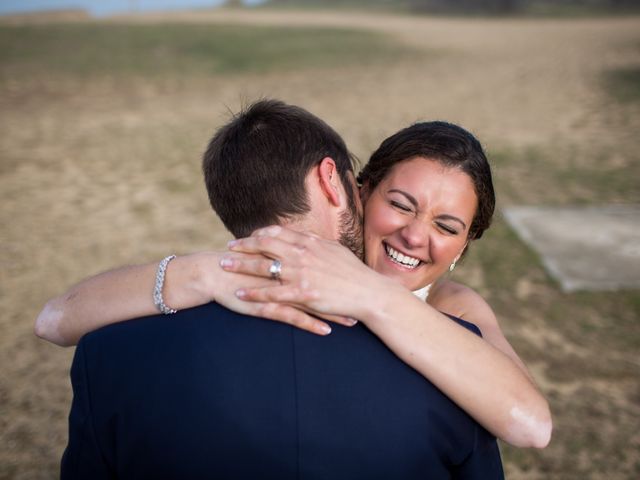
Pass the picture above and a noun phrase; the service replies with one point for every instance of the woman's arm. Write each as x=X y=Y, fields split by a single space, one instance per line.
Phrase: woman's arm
x=122 y=294
x=126 y=293
x=480 y=378
x=325 y=278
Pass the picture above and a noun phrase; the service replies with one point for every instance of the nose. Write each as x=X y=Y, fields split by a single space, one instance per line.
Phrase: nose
x=415 y=234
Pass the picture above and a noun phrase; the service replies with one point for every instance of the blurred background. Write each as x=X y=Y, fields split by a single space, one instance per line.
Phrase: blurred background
x=108 y=106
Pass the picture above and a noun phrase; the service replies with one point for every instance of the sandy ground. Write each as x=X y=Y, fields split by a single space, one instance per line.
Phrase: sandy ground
x=98 y=174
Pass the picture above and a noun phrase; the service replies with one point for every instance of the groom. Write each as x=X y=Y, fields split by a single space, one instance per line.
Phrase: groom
x=208 y=393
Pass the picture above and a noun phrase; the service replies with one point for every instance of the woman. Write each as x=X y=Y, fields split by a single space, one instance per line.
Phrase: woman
x=427 y=192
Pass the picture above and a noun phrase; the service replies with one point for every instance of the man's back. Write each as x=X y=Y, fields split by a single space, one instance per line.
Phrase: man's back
x=208 y=393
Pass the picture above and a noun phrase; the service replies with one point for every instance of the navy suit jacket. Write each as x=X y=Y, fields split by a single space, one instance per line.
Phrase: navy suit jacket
x=208 y=393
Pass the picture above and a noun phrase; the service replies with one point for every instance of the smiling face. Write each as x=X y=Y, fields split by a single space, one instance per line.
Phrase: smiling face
x=417 y=221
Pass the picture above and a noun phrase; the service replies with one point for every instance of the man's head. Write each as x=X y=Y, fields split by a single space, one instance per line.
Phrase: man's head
x=275 y=163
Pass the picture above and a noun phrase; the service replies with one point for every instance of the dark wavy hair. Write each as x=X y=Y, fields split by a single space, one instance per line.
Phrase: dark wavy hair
x=447 y=144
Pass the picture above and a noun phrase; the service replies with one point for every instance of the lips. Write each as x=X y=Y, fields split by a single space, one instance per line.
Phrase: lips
x=401 y=258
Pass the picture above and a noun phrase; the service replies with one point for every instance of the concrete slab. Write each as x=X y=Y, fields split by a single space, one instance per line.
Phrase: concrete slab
x=584 y=248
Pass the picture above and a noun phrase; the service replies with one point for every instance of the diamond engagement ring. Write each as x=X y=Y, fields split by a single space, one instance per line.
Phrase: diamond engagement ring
x=275 y=269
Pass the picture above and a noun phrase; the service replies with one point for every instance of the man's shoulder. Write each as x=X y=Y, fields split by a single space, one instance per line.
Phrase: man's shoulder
x=186 y=342
x=203 y=320
x=152 y=321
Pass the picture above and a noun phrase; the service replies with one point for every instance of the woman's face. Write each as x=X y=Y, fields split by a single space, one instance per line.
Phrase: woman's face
x=416 y=221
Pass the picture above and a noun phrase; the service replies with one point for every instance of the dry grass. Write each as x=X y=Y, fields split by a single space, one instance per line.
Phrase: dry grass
x=104 y=170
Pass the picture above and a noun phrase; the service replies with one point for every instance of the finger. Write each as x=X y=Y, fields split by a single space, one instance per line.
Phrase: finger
x=274 y=240
x=292 y=316
x=255 y=265
x=285 y=234
x=291 y=295
x=277 y=294
x=270 y=246
x=243 y=256
x=340 y=319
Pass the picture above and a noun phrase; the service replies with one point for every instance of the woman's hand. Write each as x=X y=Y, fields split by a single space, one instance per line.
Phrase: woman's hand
x=317 y=275
x=230 y=282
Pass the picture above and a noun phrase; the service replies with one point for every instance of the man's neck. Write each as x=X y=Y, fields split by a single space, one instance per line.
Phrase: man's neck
x=305 y=225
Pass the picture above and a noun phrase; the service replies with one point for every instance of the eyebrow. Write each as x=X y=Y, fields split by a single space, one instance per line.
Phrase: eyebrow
x=414 y=202
x=408 y=196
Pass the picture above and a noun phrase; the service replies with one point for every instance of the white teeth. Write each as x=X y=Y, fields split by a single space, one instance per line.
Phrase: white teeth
x=404 y=260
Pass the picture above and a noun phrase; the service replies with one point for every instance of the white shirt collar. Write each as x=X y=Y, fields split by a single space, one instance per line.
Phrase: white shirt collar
x=422 y=293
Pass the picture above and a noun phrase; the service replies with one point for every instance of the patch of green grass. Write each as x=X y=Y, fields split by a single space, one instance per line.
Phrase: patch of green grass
x=601 y=320
x=182 y=49
x=530 y=8
x=375 y=5
x=624 y=84
x=565 y=175
x=555 y=9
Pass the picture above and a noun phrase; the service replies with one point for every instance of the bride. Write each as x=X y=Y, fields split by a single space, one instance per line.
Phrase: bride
x=427 y=193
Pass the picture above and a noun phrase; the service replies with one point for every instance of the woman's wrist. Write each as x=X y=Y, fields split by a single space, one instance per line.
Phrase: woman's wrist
x=380 y=300
x=190 y=280
x=207 y=276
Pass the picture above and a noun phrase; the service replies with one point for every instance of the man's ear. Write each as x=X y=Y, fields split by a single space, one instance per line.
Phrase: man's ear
x=330 y=181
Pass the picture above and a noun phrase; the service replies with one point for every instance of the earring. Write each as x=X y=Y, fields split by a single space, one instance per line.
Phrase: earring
x=455 y=260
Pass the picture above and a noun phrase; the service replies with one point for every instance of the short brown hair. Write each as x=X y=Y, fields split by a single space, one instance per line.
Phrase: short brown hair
x=255 y=166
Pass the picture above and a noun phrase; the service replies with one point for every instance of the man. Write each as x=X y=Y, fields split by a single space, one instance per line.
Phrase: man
x=208 y=393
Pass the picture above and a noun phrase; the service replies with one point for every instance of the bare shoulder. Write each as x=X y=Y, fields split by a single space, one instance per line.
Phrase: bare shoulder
x=463 y=302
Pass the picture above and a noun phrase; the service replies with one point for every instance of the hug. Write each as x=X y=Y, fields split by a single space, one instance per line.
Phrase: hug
x=327 y=342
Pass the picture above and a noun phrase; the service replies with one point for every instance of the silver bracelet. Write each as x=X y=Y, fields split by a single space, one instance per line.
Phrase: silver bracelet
x=157 y=291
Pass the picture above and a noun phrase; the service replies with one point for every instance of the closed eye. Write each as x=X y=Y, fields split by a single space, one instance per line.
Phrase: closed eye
x=400 y=206
x=447 y=228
